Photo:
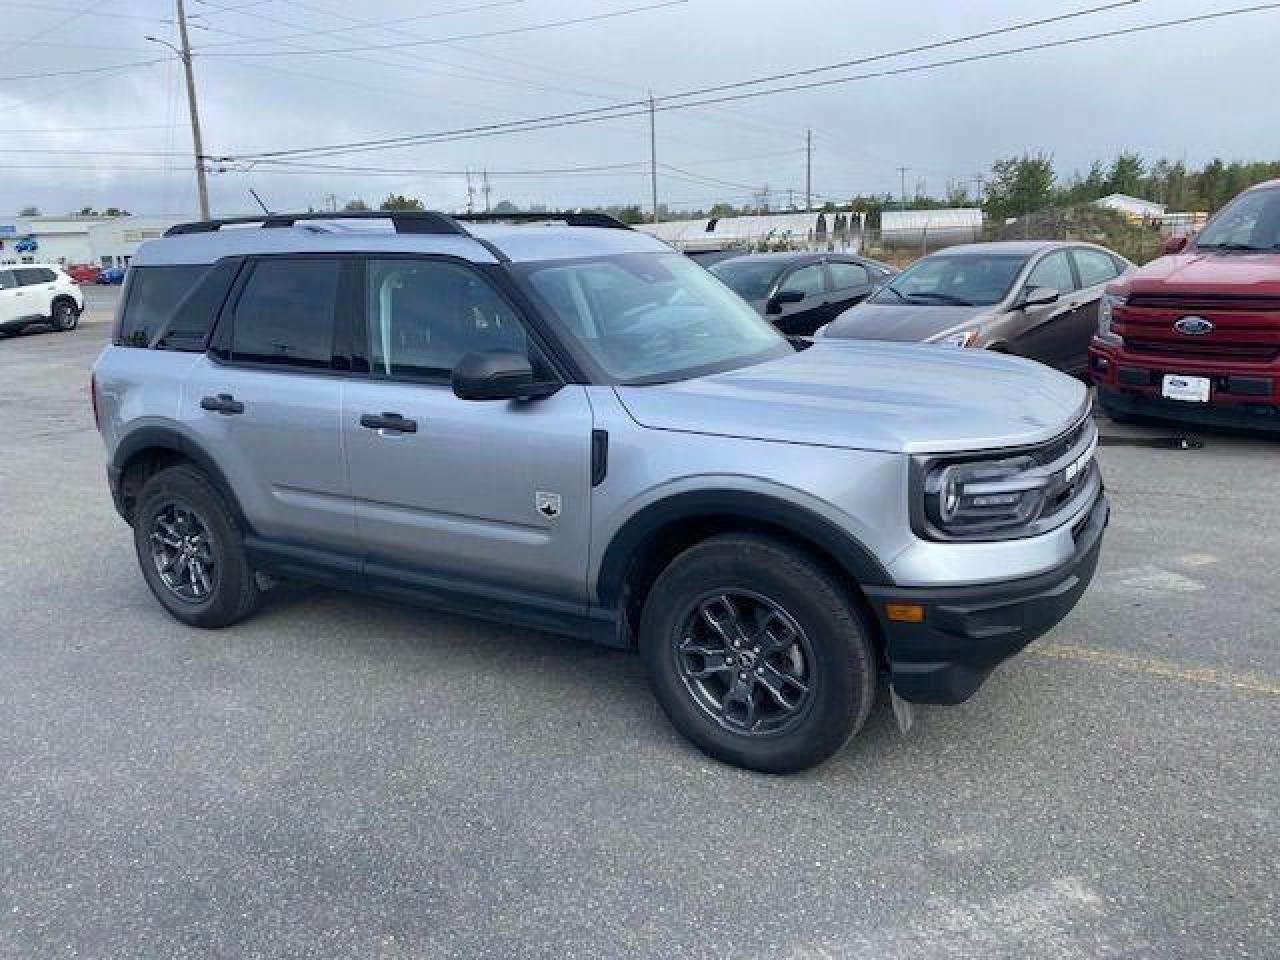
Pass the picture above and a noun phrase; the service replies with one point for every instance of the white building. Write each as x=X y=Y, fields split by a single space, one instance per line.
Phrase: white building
x=103 y=241
x=795 y=231
x=1135 y=208
x=932 y=228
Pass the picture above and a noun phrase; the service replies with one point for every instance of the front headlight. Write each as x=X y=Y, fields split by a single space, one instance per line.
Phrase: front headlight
x=1106 y=306
x=1020 y=494
x=963 y=338
x=973 y=498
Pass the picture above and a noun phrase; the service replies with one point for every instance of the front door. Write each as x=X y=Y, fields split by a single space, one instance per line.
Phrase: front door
x=850 y=285
x=1047 y=330
x=462 y=494
x=804 y=316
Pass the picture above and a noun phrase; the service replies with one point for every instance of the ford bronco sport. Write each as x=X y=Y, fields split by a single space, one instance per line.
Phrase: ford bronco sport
x=1195 y=335
x=567 y=425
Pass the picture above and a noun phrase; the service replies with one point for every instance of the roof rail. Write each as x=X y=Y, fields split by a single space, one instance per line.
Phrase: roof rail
x=569 y=219
x=405 y=221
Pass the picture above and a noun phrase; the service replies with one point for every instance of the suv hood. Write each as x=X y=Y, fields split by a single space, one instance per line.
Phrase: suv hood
x=1206 y=272
x=871 y=396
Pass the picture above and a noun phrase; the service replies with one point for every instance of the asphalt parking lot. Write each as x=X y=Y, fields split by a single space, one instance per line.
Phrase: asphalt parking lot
x=345 y=777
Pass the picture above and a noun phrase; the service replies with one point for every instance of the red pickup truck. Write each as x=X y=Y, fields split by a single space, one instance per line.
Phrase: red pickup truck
x=1195 y=335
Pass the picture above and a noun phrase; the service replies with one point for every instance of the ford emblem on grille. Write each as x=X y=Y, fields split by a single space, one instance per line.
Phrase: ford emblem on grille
x=1193 y=326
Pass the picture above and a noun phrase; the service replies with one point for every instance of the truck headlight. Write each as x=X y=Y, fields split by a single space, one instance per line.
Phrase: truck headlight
x=1106 y=306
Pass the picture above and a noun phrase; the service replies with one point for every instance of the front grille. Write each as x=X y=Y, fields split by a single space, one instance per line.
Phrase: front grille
x=1244 y=328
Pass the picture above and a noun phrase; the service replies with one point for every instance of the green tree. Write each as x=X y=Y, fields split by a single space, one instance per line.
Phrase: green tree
x=116 y=212
x=1126 y=174
x=29 y=212
x=356 y=206
x=957 y=194
x=1019 y=185
x=505 y=206
x=396 y=201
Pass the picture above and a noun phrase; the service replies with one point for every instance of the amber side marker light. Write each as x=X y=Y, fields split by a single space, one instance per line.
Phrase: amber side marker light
x=905 y=612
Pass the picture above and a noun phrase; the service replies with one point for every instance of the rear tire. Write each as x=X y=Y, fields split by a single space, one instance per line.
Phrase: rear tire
x=65 y=317
x=801 y=678
x=191 y=550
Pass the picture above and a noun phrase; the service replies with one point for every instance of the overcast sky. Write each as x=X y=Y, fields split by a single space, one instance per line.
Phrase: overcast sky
x=1187 y=92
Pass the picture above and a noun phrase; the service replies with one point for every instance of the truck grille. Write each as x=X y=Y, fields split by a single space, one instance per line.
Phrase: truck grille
x=1245 y=328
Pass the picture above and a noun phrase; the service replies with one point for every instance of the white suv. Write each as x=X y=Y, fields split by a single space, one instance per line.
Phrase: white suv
x=38 y=293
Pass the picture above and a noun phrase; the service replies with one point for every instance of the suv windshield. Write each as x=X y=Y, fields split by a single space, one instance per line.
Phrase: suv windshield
x=649 y=318
x=1251 y=222
x=966 y=280
x=749 y=279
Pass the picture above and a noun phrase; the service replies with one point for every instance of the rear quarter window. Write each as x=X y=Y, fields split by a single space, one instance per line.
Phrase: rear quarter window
x=173 y=307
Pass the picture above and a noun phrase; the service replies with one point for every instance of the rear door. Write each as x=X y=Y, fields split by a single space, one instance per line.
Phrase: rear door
x=1096 y=269
x=804 y=316
x=11 y=298
x=851 y=283
x=266 y=400
x=472 y=495
x=1046 y=332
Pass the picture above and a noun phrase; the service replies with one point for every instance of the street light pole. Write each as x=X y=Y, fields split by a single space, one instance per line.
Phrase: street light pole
x=184 y=54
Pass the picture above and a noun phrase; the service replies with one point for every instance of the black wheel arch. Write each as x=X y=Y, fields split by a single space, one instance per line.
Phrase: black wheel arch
x=147 y=450
x=644 y=545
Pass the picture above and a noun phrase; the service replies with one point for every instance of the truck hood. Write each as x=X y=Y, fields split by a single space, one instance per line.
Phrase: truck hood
x=893 y=321
x=871 y=396
x=1205 y=272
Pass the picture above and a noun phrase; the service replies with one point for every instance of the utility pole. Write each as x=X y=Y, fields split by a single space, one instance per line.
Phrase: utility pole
x=903 y=172
x=202 y=186
x=471 y=194
x=808 y=170
x=977 y=180
x=484 y=188
x=653 y=157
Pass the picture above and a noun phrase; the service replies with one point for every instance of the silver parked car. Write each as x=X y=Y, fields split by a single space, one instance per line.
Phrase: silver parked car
x=574 y=428
x=1035 y=299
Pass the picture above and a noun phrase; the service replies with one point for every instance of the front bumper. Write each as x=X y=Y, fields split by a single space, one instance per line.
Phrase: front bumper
x=968 y=631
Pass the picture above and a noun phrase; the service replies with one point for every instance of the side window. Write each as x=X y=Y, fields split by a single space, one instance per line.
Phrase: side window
x=1053 y=271
x=808 y=280
x=847 y=274
x=153 y=297
x=7 y=280
x=425 y=315
x=1095 y=267
x=285 y=314
x=29 y=276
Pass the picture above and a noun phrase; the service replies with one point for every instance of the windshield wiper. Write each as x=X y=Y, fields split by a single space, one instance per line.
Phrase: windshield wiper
x=1234 y=246
x=943 y=298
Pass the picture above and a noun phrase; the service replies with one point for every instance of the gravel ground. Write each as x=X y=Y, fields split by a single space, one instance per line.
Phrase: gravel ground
x=340 y=777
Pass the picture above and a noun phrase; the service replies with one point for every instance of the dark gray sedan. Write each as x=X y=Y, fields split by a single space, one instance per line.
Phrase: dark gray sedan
x=800 y=292
x=1034 y=299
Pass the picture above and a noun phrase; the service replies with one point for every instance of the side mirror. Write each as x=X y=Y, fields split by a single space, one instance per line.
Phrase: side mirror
x=784 y=296
x=1177 y=243
x=497 y=375
x=1040 y=296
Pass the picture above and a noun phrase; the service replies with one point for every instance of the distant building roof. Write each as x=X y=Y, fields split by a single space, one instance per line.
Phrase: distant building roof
x=1133 y=206
x=718 y=233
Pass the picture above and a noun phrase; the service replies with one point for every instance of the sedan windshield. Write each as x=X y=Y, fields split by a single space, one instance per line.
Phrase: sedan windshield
x=1251 y=222
x=650 y=318
x=965 y=280
x=749 y=279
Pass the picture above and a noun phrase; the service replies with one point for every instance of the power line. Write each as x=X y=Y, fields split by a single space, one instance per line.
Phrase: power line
x=366 y=24
x=114 y=15
x=621 y=110
x=57 y=24
x=506 y=32
x=83 y=70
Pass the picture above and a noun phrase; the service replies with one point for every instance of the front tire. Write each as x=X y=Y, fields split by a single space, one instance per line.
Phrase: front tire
x=65 y=317
x=191 y=550
x=757 y=654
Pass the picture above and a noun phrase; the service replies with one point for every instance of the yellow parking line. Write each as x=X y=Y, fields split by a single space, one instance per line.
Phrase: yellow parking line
x=1207 y=676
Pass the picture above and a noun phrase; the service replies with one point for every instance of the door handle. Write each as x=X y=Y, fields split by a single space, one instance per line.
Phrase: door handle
x=222 y=403
x=393 y=422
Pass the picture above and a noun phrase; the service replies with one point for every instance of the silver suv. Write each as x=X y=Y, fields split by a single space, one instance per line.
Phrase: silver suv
x=567 y=425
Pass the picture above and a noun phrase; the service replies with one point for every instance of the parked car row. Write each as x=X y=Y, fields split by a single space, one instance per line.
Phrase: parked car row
x=1192 y=336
